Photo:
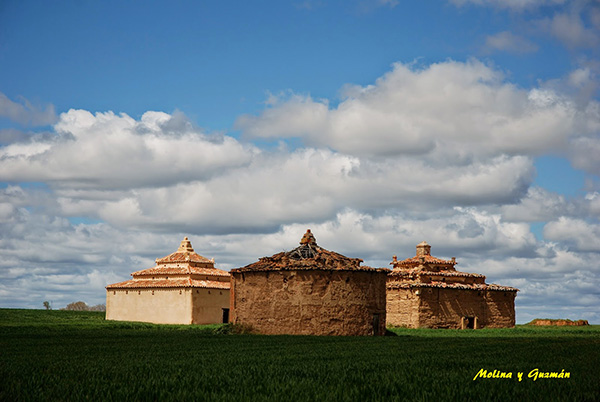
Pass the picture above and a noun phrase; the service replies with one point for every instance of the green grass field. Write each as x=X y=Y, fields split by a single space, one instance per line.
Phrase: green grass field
x=65 y=355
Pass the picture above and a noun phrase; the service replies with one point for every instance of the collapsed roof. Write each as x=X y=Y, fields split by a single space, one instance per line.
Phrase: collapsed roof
x=308 y=256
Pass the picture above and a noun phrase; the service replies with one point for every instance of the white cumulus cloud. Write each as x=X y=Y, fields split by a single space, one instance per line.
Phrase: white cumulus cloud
x=449 y=108
x=577 y=233
x=109 y=151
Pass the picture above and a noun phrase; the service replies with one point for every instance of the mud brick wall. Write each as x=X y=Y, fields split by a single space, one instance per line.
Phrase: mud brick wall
x=402 y=308
x=310 y=302
x=500 y=309
x=444 y=308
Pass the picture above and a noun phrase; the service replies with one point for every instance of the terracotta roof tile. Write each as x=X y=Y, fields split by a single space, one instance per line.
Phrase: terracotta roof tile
x=185 y=253
x=158 y=270
x=471 y=286
x=182 y=265
x=183 y=257
x=169 y=283
x=415 y=273
x=426 y=258
x=423 y=257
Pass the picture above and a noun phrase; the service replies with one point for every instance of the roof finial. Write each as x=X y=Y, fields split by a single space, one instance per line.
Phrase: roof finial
x=423 y=249
x=308 y=238
x=185 y=246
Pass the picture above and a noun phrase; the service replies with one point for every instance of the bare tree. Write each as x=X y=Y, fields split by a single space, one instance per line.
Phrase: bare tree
x=47 y=305
x=77 y=306
x=98 y=307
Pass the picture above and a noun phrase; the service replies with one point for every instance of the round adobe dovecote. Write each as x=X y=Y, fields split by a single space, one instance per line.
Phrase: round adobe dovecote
x=309 y=291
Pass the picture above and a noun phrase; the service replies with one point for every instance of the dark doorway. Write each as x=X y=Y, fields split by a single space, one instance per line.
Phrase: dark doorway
x=375 y=324
x=225 y=315
x=469 y=323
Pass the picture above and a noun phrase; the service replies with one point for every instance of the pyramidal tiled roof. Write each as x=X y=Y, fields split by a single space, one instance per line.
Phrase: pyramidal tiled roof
x=183 y=261
x=423 y=257
x=424 y=270
x=308 y=256
x=183 y=268
x=185 y=253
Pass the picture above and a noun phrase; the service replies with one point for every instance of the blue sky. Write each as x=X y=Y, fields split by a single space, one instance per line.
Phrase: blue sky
x=473 y=125
x=215 y=60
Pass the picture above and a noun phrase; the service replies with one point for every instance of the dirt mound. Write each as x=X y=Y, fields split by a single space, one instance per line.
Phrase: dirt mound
x=557 y=322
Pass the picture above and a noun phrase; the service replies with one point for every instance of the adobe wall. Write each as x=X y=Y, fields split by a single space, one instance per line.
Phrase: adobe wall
x=402 y=308
x=500 y=309
x=208 y=305
x=158 y=306
x=444 y=308
x=310 y=302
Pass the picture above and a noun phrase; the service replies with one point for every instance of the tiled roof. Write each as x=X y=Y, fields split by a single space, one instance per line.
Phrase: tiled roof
x=169 y=283
x=308 y=256
x=185 y=253
x=415 y=273
x=158 y=270
x=429 y=259
x=471 y=286
x=183 y=257
x=410 y=273
x=181 y=263
x=423 y=257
